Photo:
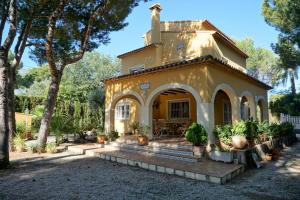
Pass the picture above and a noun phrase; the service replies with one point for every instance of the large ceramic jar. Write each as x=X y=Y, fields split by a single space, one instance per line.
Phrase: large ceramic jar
x=239 y=141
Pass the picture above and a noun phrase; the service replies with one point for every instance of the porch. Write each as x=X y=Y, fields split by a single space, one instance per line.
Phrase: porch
x=166 y=163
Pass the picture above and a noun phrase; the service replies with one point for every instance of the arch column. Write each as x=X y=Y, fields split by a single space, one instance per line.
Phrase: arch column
x=109 y=123
x=203 y=110
x=265 y=109
x=252 y=104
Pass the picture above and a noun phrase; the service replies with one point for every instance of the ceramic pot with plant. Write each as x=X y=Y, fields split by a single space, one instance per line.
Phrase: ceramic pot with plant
x=197 y=135
x=143 y=135
x=101 y=138
x=239 y=131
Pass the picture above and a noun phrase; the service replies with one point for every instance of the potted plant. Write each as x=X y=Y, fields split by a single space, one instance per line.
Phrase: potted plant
x=239 y=131
x=19 y=143
x=223 y=134
x=113 y=135
x=101 y=138
x=143 y=135
x=262 y=130
x=134 y=126
x=196 y=134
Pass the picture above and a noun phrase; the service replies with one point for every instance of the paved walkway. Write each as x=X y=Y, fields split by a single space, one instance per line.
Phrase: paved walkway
x=75 y=177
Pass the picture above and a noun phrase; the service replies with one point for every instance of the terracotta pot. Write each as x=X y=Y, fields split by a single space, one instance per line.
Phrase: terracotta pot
x=101 y=139
x=143 y=140
x=198 y=151
x=268 y=157
x=239 y=141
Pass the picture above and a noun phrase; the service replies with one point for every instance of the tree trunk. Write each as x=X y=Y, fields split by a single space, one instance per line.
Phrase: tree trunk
x=11 y=105
x=49 y=108
x=292 y=79
x=4 y=131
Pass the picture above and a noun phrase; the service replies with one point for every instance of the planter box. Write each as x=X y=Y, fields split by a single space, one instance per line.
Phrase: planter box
x=224 y=156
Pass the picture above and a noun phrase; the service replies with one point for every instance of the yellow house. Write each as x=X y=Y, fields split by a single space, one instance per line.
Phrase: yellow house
x=187 y=71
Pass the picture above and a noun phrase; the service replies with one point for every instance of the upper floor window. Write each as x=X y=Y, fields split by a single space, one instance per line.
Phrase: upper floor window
x=136 y=69
x=122 y=111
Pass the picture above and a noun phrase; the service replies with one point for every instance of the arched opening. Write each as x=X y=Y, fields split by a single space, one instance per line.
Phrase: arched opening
x=173 y=110
x=260 y=110
x=245 y=108
x=222 y=108
x=124 y=111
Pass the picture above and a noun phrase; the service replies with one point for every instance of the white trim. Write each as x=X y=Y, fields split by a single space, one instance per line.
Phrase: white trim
x=122 y=94
x=125 y=103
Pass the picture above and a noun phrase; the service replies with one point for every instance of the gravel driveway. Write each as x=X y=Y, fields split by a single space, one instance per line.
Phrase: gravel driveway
x=66 y=176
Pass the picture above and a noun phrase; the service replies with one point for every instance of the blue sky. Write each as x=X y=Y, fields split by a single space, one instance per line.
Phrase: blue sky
x=238 y=19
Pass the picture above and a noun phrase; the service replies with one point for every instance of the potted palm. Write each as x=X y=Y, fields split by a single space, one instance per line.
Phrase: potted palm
x=143 y=135
x=239 y=132
x=134 y=126
x=196 y=134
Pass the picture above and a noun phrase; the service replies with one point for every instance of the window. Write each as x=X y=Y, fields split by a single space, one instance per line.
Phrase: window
x=245 y=109
x=226 y=112
x=179 y=109
x=136 y=69
x=122 y=111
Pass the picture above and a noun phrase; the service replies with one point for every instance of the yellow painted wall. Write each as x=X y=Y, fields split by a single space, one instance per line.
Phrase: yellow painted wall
x=162 y=111
x=123 y=126
x=21 y=117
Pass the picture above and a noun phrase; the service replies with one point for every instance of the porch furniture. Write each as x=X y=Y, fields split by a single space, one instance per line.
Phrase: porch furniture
x=170 y=128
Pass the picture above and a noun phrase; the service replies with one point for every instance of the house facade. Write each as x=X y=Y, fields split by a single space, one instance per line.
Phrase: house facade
x=187 y=71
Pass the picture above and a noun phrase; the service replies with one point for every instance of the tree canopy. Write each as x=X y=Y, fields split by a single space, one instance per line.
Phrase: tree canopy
x=262 y=63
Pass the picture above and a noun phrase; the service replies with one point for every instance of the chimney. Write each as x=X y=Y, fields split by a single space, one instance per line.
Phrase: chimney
x=155 y=23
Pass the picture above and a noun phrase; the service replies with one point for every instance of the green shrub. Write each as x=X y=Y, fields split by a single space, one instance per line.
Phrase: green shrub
x=51 y=147
x=240 y=128
x=196 y=134
x=18 y=142
x=285 y=103
x=224 y=133
x=32 y=148
x=144 y=130
x=263 y=127
x=134 y=126
x=252 y=129
x=21 y=128
x=274 y=130
x=286 y=128
x=113 y=135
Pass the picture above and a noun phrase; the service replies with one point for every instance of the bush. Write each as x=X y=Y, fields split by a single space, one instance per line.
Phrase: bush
x=224 y=133
x=287 y=128
x=240 y=128
x=285 y=103
x=262 y=127
x=21 y=128
x=252 y=129
x=113 y=135
x=18 y=142
x=196 y=134
x=51 y=147
x=274 y=130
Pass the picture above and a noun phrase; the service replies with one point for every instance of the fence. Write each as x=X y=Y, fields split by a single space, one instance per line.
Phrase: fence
x=295 y=120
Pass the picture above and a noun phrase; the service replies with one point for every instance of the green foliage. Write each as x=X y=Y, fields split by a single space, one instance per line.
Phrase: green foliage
x=20 y=127
x=144 y=130
x=223 y=133
x=33 y=148
x=274 y=130
x=18 y=141
x=262 y=127
x=240 y=128
x=134 y=126
x=61 y=124
x=262 y=63
x=248 y=128
x=23 y=102
x=51 y=147
x=113 y=135
x=196 y=134
x=287 y=128
x=286 y=104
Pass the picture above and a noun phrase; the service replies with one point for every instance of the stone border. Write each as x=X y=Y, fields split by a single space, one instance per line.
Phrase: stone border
x=166 y=170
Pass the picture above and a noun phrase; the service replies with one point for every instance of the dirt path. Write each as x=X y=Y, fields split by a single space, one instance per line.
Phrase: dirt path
x=66 y=176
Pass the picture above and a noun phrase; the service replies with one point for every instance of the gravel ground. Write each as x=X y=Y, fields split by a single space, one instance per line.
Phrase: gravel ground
x=66 y=176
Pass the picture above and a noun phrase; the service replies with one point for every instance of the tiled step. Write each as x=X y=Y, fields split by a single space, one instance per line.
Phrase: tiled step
x=206 y=170
x=162 y=151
